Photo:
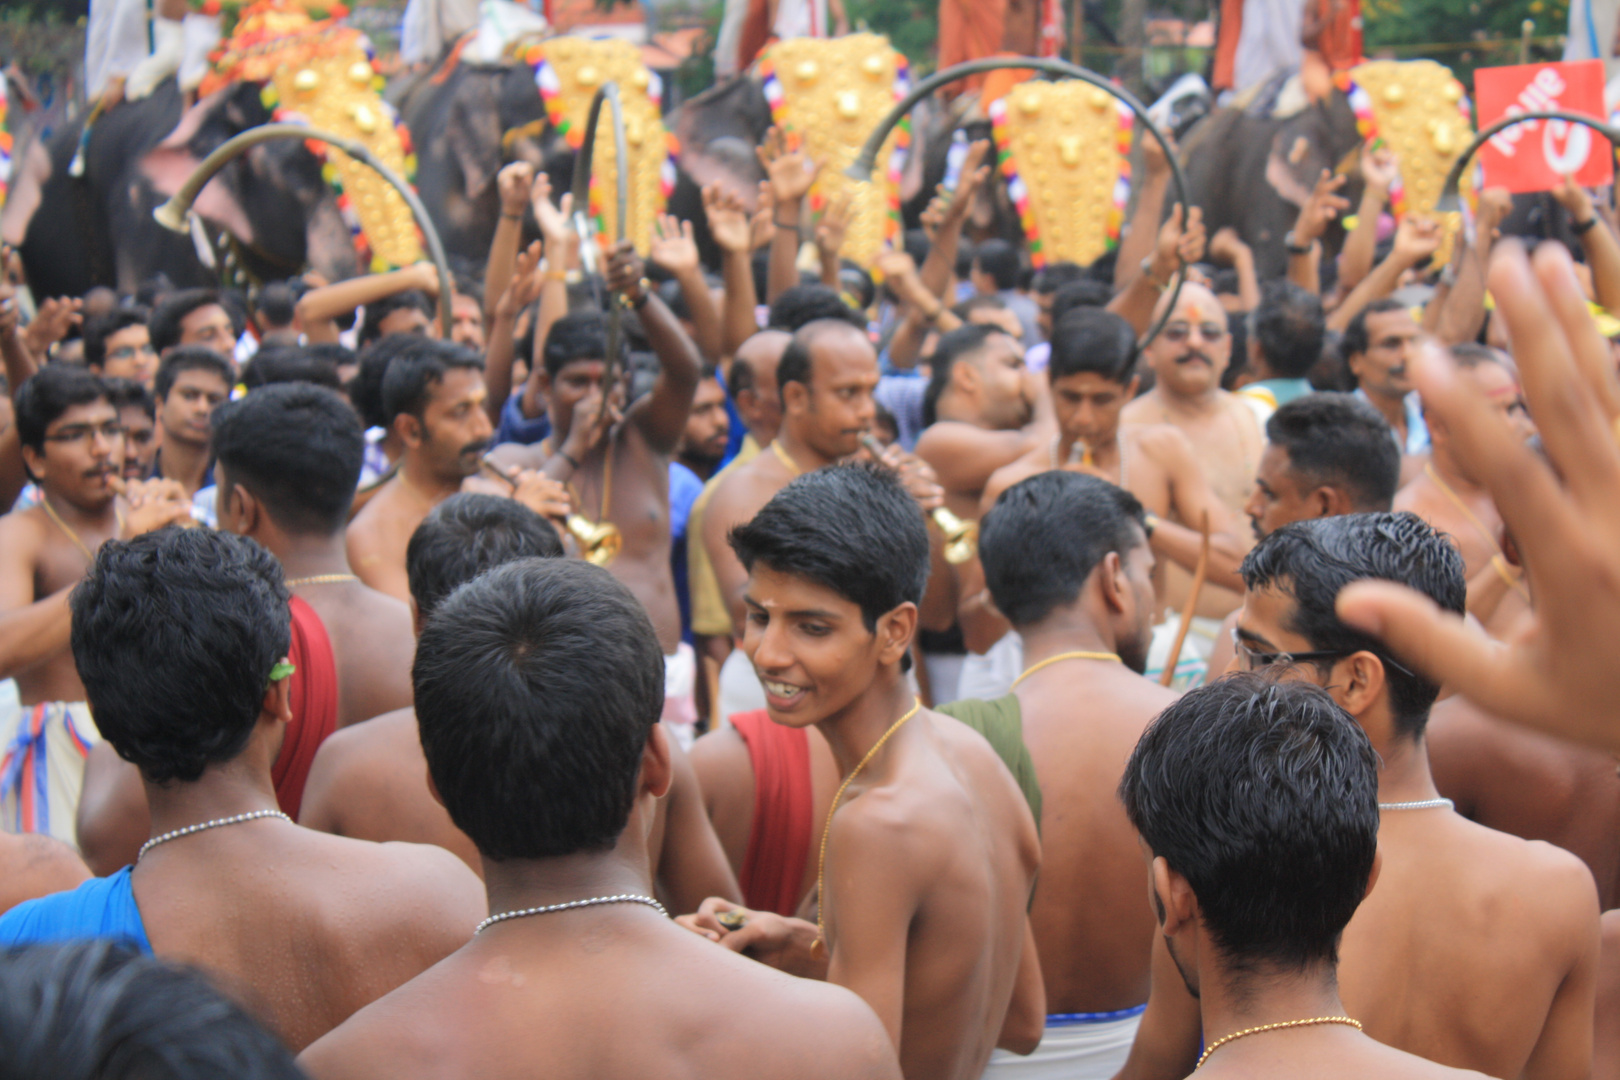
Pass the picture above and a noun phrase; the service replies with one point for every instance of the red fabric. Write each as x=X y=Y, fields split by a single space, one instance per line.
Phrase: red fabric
x=1226 y=43
x=314 y=692
x=756 y=33
x=1340 y=42
x=772 y=877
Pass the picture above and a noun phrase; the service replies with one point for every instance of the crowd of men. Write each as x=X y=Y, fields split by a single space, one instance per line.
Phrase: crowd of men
x=461 y=696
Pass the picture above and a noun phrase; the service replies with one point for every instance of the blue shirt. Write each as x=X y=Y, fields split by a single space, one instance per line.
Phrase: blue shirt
x=1417 y=432
x=515 y=427
x=100 y=908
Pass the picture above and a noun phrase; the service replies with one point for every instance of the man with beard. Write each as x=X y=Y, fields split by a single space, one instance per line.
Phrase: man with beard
x=73 y=447
x=708 y=429
x=1067 y=560
x=433 y=395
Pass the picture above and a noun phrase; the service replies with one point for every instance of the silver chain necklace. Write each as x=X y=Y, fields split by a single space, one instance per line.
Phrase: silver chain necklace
x=1421 y=804
x=216 y=823
x=622 y=898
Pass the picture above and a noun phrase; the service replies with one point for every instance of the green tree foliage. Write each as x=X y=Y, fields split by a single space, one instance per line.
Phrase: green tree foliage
x=911 y=25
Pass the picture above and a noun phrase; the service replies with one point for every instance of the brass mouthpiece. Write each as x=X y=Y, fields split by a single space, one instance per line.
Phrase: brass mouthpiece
x=598 y=542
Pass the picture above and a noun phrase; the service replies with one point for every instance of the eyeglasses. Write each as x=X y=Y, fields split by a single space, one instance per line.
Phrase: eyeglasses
x=130 y=352
x=1179 y=331
x=1251 y=660
x=86 y=433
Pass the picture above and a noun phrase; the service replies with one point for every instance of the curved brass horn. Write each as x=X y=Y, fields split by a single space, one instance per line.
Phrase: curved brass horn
x=1450 y=200
x=861 y=169
x=176 y=213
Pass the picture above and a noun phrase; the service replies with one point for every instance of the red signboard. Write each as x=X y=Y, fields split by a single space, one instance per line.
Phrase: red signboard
x=1532 y=156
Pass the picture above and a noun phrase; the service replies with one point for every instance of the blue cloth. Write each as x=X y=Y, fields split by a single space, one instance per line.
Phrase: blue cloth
x=684 y=488
x=515 y=427
x=1069 y=1019
x=100 y=908
x=902 y=398
x=737 y=431
x=1286 y=390
x=1417 y=431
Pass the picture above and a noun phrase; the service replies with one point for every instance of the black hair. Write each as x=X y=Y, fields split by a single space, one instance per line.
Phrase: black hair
x=851 y=528
x=1470 y=355
x=407 y=387
x=276 y=305
x=298 y=448
x=537 y=687
x=289 y=363
x=1049 y=279
x=190 y=358
x=365 y=389
x=998 y=260
x=101 y=327
x=795 y=363
x=1264 y=796
x=576 y=337
x=164 y=325
x=967 y=307
x=378 y=310
x=331 y=353
x=960 y=343
x=1342 y=441
x=1092 y=340
x=1354 y=339
x=98 y=1010
x=1045 y=535
x=1311 y=561
x=191 y=608
x=1288 y=327
x=802 y=305
x=1075 y=295
x=468 y=534
x=50 y=392
x=127 y=393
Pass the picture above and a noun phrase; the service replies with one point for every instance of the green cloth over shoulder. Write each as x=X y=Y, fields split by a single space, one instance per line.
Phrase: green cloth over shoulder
x=1001 y=722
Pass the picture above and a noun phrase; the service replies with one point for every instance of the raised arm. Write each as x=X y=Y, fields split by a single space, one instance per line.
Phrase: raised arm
x=521 y=288
x=1227 y=247
x=791 y=174
x=513 y=182
x=831 y=228
x=319 y=307
x=561 y=250
x=730 y=227
x=940 y=264
x=674 y=248
x=1137 y=243
x=1304 y=240
x=661 y=415
x=1377 y=177
x=1462 y=309
x=1415 y=239
x=921 y=308
x=1597 y=240
x=1177 y=246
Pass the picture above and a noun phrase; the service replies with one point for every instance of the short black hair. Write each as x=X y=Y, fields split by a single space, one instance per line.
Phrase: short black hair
x=577 y=337
x=960 y=343
x=1092 y=340
x=998 y=260
x=365 y=389
x=378 y=310
x=98 y=1010
x=175 y=634
x=1049 y=279
x=101 y=327
x=1079 y=294
x=1354 y=340
x=1264 y=796
x=537 y=687
x=298 y=448
x=1311 y=561
x=468 y=534
x=190 y=358
x=1045 y=535
x=289 y=363
x=1342 y=441
x=408 y=385
x=164 y=325
x=851 y=528
x=127 y=393
x=50 y=392
x=804 y=304
x=795 y=363
x=1288 y=327
x=276 y=304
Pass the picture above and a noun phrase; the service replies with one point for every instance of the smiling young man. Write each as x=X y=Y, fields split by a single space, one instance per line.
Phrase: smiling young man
x=191 y=383
x=931 y=851
x=1477 y=949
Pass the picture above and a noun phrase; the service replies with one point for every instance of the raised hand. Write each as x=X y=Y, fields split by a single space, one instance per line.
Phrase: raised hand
x=524 y=288
x=1573 y=198
x=673 y=246
x=552 y=218
x=626 y=273
x=152 y=505
x=728 y=220
x=763 y=225
x=56 y=316
x=1227 y=247
x=1181 y=241
x=788 y=168
x=1154 y=161
x=1378 y=169
x=1416 y=238
x=1323 y=205
x=834 y=225
x=514 y=182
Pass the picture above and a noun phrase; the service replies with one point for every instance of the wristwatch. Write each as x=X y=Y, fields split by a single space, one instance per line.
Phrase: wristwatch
x=1294 y=247
x=1581 y=228
x=1147 y=273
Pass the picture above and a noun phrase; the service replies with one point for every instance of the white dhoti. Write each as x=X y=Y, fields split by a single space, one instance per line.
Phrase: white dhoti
x=1193 y=666
x=991 y=675
x=1075 y=1046
x=42 y=752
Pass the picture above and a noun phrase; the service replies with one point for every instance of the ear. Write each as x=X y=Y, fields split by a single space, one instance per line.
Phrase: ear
x=795 y=397
x=657 y=771
x=1372 y=877
x=894 y=633
x=409 y=430
x=1359 y=682
x=1110 y=574
x=1176 y=895
x=1329 y=501
x=34 y=463
x=249 y=511
x=277 y=704
x=966 y=378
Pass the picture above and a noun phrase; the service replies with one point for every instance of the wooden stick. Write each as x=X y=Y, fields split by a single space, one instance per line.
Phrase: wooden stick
x=1199 y=573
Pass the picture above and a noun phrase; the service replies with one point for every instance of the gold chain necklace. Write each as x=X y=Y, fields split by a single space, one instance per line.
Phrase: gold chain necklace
x=1479 y=527
x=50 y=512
x=1224 y=1039
x=826 y=831
x=1067 y=656
x=320 y=579
x=787 y=461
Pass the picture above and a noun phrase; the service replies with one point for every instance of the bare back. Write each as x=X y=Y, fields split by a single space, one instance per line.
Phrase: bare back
x=373 y=644
x=1425 y=499
x=380 y=533
x=32 y=866
x=736 y=500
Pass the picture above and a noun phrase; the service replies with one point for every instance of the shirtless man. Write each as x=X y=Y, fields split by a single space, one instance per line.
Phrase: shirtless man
x=182 y=639
x=73 y=447
x=32 y=865
x=192 y=381
x=930 y=864
x=1257 y=807
x=1067 y=561
x=368 y=781
x=433 y=396
x=538 y=688
x=289 y=455
x=192 y=317
x=1187 y=359
x=1457 y=905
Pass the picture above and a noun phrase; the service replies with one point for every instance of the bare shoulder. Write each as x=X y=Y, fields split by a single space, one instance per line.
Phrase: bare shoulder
x=399 y=1034
x=21 y=533
x=1013 y=472
x=353 y=759
x=33 y=865
x=1165 y=443
x=719 y=754
x=431 y=884
x=1550 y=888
x=1142 y=410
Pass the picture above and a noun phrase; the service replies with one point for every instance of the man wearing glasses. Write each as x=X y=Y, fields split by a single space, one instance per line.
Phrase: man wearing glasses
x=73 y=448
x=1414 y=969
x=118 y=344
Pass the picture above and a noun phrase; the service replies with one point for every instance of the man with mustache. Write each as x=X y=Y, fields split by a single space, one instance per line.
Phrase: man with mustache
x=433 y=396
x=1376 y=346
x=73 y=447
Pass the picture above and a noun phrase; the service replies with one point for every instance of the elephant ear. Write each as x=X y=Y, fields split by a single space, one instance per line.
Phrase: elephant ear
x=474 y=135
x=168 y=164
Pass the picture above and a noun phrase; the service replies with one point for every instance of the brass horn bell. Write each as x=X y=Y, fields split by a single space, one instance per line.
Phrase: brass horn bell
x=598 y=542
x=961 y=536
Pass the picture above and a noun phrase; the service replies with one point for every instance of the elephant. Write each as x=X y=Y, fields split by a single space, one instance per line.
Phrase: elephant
x=270 y=206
